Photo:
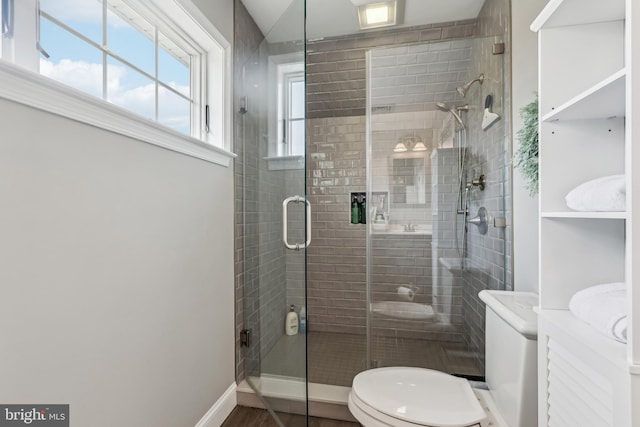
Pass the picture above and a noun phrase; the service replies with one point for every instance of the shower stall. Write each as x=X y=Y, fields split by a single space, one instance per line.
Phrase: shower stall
x=372 y=190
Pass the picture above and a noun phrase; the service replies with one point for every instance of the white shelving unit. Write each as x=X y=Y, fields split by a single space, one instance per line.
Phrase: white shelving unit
x=587 y=70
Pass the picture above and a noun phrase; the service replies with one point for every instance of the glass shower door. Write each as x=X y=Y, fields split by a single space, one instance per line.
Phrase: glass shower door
x=438 y=165
x=274 y=221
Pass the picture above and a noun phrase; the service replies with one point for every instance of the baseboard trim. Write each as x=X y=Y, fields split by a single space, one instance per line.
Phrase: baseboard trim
x=220 y=410
x=325 y=401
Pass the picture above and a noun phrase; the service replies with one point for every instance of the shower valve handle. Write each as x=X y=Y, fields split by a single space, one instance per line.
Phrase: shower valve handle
x=480 y=221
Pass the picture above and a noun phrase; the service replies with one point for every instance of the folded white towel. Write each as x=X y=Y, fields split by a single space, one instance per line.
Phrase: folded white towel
x=604 y=307
x=606 y=194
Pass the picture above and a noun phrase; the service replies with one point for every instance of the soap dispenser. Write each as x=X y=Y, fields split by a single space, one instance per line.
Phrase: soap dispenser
x=291 y=321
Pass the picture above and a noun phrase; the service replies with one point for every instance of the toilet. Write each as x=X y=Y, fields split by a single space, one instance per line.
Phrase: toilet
x=411 y=397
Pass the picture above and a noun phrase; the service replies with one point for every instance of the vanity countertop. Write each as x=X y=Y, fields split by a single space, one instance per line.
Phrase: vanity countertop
x=398 y=230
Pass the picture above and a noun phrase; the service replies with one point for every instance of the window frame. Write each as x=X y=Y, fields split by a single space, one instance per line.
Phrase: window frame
x=288 y=79
x=280 y=67
x=211 y=77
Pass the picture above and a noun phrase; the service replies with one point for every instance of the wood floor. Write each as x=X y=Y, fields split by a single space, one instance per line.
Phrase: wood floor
x=243 y=416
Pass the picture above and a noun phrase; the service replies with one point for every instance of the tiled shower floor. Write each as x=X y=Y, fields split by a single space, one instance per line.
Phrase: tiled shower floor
x=336 y=358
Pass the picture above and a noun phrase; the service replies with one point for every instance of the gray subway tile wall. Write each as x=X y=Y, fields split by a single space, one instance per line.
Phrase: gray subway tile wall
x=412 y=69
x=336 y=66
x=404 y=79
x=247 y=41
x=260 y=257
x=336 y=163
x=489 y=154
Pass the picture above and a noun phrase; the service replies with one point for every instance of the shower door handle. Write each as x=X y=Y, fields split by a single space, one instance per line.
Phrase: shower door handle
x=285 y=203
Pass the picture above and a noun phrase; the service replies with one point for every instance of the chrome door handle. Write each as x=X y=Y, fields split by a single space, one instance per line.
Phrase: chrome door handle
x=285 y=203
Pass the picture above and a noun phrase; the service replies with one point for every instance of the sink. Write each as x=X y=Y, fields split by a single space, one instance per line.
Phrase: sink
x=423 y=229
x=379 y=227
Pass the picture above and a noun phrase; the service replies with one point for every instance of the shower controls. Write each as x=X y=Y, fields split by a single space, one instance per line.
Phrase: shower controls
x=480 y=221
x=479 y=182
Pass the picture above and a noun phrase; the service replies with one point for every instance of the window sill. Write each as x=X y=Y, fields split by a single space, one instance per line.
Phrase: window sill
x=285 y=163
x=31 y=89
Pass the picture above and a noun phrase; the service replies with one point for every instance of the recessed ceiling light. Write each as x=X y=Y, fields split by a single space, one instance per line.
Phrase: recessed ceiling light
x=379 y=14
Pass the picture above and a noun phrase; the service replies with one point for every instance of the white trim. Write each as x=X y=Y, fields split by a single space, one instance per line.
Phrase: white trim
x=223 y=65
x=220 y=410
x=278 y=65
x=285 y=163
x=31 y=89
x=292 y=388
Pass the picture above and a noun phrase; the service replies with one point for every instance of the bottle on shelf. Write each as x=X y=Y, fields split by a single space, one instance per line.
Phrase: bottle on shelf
x=355 y=209
x=291 y=321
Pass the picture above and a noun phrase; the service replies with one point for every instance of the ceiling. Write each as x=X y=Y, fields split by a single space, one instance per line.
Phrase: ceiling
x=327 y=18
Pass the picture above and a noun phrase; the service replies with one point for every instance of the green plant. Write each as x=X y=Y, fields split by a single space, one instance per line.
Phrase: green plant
x=526 y=157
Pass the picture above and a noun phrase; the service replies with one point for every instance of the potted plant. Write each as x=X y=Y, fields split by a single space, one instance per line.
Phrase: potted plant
x=526 y=157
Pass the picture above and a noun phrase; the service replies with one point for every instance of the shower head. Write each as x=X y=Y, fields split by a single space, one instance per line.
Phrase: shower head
x=444 y=107
x=462 y=90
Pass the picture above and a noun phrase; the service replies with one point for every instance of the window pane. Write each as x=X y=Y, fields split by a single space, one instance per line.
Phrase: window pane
x=131 y=38
x=174 y=111
x=173 y=65
x=297 y=100
x=72 y=61
x=84 y=16
x=129 y=89
x=297 y=138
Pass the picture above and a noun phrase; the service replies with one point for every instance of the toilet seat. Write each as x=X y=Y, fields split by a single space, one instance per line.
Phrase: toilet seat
x=408 y=397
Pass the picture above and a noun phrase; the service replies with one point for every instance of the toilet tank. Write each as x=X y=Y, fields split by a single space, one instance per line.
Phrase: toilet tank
x=511 y=332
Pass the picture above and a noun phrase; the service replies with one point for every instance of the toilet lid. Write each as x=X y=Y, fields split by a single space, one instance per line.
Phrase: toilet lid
x=420 y=396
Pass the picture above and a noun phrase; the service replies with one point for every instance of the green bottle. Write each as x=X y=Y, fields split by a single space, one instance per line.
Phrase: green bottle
x=363 y=210
x=355 y=212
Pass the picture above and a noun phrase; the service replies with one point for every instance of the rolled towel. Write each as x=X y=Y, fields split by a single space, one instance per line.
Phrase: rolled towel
x=606 y=194
x=604 y=307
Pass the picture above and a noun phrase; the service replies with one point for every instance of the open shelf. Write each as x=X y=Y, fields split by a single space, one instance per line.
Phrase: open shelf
x=586 y=215
x=586 y=49
x=575 y=12
x=603 y=100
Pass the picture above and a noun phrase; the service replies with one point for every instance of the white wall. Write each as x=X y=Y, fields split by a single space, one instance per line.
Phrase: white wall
x=524 y=88
x=116 y=274
x=220 y=12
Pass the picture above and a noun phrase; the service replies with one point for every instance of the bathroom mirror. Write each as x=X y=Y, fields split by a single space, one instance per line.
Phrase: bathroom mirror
x=409 y=180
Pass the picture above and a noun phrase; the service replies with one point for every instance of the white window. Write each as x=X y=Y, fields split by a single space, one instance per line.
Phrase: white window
x=292 y=113
x=158 y=59
x=286 y=111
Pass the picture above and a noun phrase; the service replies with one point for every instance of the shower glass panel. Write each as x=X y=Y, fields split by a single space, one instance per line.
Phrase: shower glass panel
x=425 y=147
x=270 y=134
